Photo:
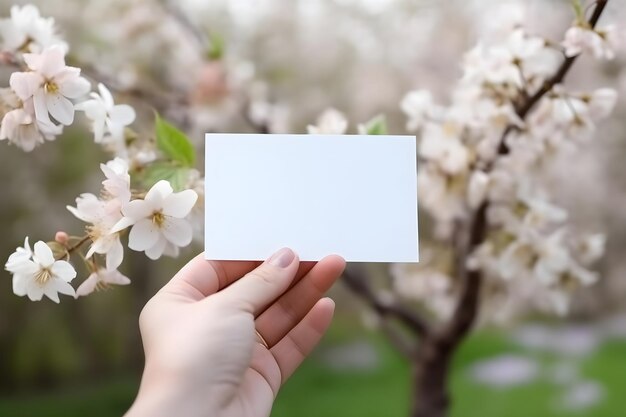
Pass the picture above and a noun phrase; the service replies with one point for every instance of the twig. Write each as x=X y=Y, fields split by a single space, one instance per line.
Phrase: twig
x=407 y=316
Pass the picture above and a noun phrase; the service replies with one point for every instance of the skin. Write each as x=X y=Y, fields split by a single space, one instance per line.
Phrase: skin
x=203 y=357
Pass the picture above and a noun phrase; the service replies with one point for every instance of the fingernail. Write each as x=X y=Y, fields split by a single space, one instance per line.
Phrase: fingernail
x=282 y=258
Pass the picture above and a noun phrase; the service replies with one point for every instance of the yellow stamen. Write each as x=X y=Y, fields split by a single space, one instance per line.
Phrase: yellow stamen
x=51 y=87
x=43 y=276
x=158 y=218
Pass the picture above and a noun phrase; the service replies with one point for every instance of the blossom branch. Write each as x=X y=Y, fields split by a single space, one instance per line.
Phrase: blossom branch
x=78 y=244
x=358 y=284
x=527 y=105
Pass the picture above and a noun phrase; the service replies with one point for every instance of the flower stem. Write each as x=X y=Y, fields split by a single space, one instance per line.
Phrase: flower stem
x=73 y=248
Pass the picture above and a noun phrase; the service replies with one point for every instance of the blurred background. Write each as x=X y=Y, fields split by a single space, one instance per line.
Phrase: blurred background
x=284 y=62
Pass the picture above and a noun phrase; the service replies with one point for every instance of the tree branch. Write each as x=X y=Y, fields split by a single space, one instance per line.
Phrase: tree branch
x=359 y=285
x=526 y=106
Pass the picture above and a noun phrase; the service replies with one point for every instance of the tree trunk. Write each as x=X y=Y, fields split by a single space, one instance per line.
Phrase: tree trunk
x=430 y=374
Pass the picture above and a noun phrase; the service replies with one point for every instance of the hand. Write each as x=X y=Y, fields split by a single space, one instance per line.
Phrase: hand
x=203 y=357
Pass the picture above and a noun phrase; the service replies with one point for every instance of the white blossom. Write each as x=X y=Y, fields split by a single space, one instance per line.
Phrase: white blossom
x=158 y=221
x=102 y=216
x=37 y=274
x=20 y=127
x=477 y=189
x=100 y=279
x=117 y=183
x=50 y=84
x=18 y=259
x=27 y=31
x=601 y=43
x=108 y=119
x=419 y=106
x=330 y=122
x=442 y=145
x=104 y=213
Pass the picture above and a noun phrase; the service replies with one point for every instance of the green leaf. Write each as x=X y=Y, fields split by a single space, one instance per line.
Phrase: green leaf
x=216 y=49
x=174 y=143
x=177 y=176
x=376 y=126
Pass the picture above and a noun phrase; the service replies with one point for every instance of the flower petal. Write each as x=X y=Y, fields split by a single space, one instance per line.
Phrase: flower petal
x=106 y=96
x=158 y=193
x=43 y=255
x=171 y=250
x=20 y=284
x=60 y=108
x=116 y=277
x=138 y=209
x=115 y=256
x=51 y=293
x=63 y=270
x=41 y=108
x=177 y=231
x=179 y=204
x=52 y=62
x=88 y=286
x=34 y=291
x=156 y=251
x=143 y=235
x=122 y=114
x=24 y=84
x=122 y=224
x=74 y=87
x=63 y=287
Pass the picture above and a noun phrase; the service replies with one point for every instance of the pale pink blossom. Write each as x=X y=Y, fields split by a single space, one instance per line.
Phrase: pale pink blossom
x=158 y=221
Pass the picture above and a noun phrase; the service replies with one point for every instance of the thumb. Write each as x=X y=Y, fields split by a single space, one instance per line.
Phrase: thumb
x=260 y=287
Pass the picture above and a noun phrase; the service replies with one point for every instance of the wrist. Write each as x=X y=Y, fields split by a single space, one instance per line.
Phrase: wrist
x=162 y=395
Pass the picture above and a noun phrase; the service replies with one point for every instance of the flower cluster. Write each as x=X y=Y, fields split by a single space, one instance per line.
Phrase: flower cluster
x=486 y=151
x=43 y=95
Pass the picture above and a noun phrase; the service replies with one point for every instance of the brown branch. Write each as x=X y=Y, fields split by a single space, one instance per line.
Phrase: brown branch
x=358 y=285
x=467 y=307
x=526 y=106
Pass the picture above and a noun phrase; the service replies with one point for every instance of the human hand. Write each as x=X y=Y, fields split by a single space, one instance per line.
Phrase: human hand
x=203 y=357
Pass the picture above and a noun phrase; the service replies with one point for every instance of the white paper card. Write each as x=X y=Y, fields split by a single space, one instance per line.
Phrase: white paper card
x=350 y=195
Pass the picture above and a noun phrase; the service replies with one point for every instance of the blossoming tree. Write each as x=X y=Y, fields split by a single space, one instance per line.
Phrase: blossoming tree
x=500 y=246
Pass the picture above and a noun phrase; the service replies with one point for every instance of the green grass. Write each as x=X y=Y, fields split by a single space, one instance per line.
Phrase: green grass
x=316 y=390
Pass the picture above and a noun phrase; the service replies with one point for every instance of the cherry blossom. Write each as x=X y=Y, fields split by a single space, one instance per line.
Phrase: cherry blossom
x=109 y=119
x=419 y=106
x=158 y=221
x=330 y=122
x=601 y=43
x=37 y=274
x=102 y=216
x=117 y=184
x=27 y=31
x=51 y=84
x=100 y=279
x=104 y=213
x=20 y=127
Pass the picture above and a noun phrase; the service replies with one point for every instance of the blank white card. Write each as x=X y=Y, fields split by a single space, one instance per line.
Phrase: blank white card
x=350 y=195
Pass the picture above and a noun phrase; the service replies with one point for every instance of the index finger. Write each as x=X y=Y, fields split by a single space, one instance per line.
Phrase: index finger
x=200 y=277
